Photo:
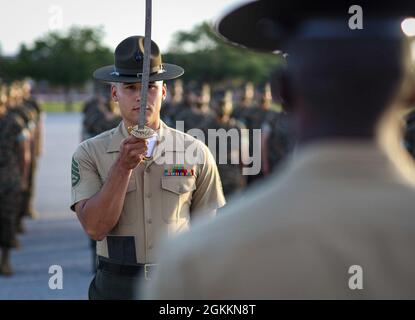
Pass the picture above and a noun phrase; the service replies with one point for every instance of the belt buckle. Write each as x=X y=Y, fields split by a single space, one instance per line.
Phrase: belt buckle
x=146 y=266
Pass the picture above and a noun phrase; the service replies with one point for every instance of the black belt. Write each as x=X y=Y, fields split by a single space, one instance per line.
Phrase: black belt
x=138 y=270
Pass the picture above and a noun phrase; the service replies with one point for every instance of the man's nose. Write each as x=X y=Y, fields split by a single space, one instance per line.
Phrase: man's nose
x=138 y=95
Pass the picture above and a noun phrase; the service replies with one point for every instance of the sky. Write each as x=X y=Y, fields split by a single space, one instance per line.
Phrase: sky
x=23 y=21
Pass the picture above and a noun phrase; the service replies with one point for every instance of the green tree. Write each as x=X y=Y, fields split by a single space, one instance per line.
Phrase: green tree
x=7 y=67
x=64 y=60
x=207 y=58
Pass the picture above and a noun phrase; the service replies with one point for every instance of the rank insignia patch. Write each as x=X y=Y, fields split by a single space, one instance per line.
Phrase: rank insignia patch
x=178 y=171
x=76 y=176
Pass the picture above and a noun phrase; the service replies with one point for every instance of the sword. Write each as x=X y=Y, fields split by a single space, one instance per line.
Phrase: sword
x=141 y=131
x=146 y=67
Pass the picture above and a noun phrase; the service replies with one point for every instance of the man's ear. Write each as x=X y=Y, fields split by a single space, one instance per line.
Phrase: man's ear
x=164 y=91
x=114 y=93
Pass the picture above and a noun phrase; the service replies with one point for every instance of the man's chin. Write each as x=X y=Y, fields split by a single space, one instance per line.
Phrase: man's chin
x=136 y=120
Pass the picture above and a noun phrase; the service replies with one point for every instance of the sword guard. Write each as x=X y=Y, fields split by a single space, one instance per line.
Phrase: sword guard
x=141 y=133
x=144 y=133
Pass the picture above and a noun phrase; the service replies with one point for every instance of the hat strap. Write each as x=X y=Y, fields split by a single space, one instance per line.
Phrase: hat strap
x=131 y=73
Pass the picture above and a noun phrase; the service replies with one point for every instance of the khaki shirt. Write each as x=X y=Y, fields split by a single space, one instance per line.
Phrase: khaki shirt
x=161 y=198
x=337 y=205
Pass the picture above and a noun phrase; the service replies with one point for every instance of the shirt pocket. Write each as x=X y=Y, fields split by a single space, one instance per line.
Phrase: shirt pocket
x=176 y=197
x=129 y=213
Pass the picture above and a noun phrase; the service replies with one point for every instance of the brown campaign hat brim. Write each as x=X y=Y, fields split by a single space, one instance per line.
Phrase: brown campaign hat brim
x=108 y=74
x=239 y=26
x=265 y=25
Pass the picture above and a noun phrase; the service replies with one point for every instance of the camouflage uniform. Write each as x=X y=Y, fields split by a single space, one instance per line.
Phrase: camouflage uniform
x=28 y=117
x=11 y=134
x=88 y=118
x=241 y=113
x=200 y=110
x=230 y=174
x=195 y=117
x=180 y=111
x=280 y=138
x=169 y=112
x=242 y=109
x=95 y=119
x=36 y=142
x=171 y=107
x=166 y=113
x=255 y=118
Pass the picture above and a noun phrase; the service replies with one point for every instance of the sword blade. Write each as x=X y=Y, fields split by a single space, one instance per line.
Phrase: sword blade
x=146 y=67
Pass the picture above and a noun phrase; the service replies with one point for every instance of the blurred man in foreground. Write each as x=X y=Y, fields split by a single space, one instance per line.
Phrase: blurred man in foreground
x=339 y=221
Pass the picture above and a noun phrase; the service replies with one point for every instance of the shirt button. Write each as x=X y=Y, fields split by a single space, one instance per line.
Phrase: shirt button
x=149 y=220
x=148 y=170
x=148 y=195
x=150 y=246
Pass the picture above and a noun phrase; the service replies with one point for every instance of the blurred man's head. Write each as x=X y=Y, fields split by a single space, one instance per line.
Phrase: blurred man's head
x=339 y=79
x=265 y=101
x=203 y=96
x=225 y=105
x=177 y=91
x=4 y=97
x=15 y=94
x=190 y=98
x=343 y=87
x=27 y=88
x=248 y=94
